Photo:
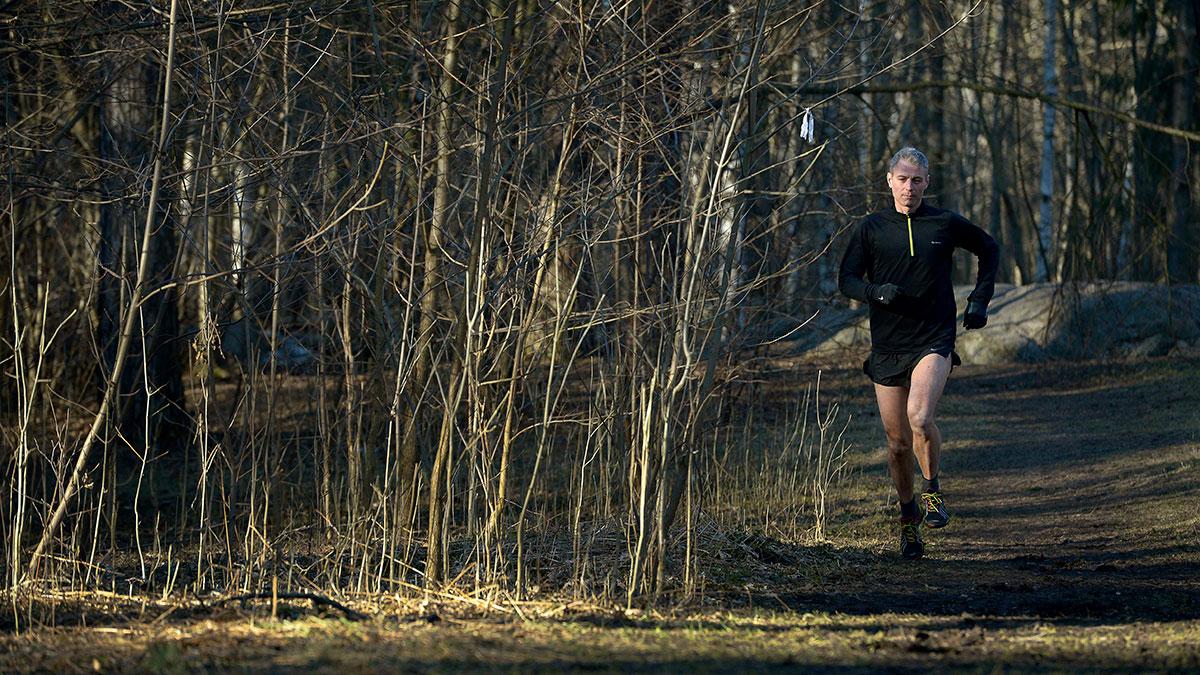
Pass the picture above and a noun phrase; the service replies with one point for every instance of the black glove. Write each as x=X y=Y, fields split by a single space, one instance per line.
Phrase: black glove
x=884 y=294
x=976 y=315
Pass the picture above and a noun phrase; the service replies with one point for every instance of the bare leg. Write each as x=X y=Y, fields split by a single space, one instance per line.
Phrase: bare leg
x=893 y=403
x=928 y=381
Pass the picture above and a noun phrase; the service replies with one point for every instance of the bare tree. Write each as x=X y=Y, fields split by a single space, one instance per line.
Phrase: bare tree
x=385 y=297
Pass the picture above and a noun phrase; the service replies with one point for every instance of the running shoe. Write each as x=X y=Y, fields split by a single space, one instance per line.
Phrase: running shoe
x=936 y=514
x=911 y=547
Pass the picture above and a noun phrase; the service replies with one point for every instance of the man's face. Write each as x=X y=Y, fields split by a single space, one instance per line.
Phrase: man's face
x=908 y=182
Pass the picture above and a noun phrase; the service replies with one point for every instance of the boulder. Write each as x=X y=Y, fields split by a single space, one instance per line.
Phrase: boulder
x=1127 y=317
x=245 y=342
x=1032 y=323
x=1018 y=322
x=1155 y=345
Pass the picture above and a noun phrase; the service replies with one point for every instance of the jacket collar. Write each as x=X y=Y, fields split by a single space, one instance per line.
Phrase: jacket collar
x=890 y=213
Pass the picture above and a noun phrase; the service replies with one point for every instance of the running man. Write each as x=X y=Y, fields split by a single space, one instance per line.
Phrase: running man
x=899 y=262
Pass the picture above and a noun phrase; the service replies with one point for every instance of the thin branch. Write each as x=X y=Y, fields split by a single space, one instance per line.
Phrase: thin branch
x=906 y=87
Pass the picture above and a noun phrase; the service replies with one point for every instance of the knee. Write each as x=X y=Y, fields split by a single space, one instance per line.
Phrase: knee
x=899 y=444
x=921 y=422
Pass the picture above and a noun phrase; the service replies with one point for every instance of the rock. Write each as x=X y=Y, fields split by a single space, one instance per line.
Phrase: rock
x=1181 y=348
x=1017 y=321
x=846 y=343
x=1033 y=323
x=1155 y=345
x=291 y=356
x=1105 y=319
x=977 y=347
x=247 y=344
x=1039 y=321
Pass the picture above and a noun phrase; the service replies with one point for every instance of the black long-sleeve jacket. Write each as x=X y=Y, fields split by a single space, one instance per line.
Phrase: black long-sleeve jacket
x=914 y=252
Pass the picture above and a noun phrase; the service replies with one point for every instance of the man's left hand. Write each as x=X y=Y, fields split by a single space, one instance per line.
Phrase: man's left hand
x=975 y=316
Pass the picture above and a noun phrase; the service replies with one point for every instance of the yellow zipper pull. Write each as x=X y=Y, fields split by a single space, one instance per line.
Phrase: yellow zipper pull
x=912 y=252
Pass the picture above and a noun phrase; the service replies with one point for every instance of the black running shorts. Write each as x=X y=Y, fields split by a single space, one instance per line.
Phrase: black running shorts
x=895 y=369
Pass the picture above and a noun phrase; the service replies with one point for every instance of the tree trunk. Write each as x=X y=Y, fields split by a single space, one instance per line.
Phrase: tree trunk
x=1046 y=225
x=431 y=282
x=430 y=295
x=151 y=409
x=1148 y=214
x=1183 y=246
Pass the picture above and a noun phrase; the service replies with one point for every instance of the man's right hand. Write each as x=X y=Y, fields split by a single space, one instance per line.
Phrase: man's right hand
x=884 y=294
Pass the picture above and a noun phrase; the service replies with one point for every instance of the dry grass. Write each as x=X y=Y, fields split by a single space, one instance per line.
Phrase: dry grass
x=438 y=639
x=1032 y=575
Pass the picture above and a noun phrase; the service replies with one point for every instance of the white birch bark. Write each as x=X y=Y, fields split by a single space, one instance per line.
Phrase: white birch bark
x=1045 y=216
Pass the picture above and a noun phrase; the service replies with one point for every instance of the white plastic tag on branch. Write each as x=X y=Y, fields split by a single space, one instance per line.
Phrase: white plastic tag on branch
x=806 y=126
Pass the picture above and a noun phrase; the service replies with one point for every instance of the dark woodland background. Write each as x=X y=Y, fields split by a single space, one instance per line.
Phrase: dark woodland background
x=401 y=293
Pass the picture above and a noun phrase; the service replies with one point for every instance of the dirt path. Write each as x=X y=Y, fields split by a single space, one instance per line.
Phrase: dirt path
x=1074 y=492
x=1074 y=547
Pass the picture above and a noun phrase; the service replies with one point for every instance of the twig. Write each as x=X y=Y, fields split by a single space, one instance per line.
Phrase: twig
x=316 y=599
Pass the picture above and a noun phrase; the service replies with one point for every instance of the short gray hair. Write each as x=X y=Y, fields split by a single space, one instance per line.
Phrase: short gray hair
x=911 y=155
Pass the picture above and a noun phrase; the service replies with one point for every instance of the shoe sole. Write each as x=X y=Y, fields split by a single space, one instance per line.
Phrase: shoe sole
x=936 y=525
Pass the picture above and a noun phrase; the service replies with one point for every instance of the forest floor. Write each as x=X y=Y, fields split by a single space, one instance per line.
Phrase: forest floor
x=1075 y=546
